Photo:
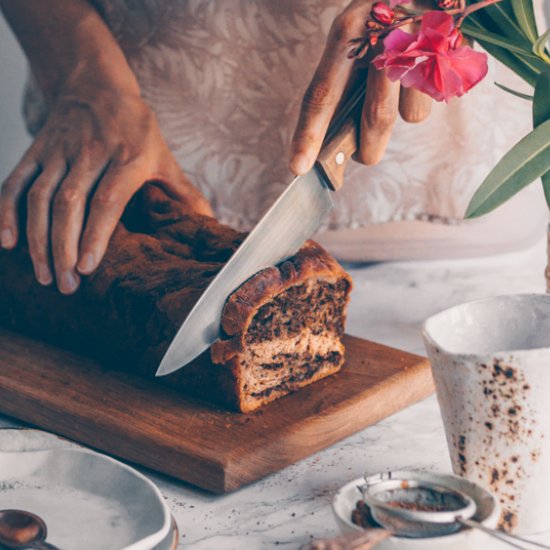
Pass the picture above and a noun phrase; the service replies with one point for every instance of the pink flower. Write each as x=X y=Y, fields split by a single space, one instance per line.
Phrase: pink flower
x=455 y=38
x=432 y=60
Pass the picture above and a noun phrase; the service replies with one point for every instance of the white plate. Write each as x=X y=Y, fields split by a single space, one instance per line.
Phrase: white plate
x=488 y=513
x=88 y=501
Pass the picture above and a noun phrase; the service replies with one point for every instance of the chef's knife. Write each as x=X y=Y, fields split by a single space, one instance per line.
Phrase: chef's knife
x=294 y=217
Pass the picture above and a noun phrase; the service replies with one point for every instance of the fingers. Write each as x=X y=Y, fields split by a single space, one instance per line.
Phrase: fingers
x=378 y=118
x=113 y=193
x=10 y=193
x=39 y=200
x=317 y=109
x=414 y=106
x=382 y=104
x=69 y=208
x=383 y=101
x=326 y=88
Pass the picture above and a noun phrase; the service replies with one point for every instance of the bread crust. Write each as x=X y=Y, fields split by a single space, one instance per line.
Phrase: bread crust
x=159 y=262
x=310 y=263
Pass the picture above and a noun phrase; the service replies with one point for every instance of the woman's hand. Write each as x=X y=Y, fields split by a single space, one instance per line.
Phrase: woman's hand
x=383 y=100
x=99 y=145
x=96 y=149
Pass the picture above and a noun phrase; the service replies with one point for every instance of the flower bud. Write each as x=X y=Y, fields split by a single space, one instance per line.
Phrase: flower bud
x=382 y=13
x=448 y=4
x=455 y=38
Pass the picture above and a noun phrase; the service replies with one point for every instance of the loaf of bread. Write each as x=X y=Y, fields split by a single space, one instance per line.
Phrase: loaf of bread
x=281 y=329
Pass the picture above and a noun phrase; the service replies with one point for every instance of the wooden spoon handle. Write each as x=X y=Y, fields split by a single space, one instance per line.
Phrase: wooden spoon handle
x=353 y=541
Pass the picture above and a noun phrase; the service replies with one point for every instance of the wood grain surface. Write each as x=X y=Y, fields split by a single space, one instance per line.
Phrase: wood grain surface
x=147 y=423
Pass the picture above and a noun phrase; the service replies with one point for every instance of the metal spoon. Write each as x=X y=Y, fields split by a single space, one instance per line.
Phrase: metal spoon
x=20 y=529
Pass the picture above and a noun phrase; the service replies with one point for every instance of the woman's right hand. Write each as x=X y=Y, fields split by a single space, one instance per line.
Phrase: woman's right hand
x=98 y=146
x=384 y=99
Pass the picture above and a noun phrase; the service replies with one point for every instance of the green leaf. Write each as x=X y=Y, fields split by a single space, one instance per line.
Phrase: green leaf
x=502 y=14
x=514 y=92
x=534 y=63
x=541 y=114
x=525 y=16
x=546 y=187
x=500 y=19
x=512 y=60
x=500 y=23
x=541 y=99
x=494 y=39
x=539 y=47
x=524 y=163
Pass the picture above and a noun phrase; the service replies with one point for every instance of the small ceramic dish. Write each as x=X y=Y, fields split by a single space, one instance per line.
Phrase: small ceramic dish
x=89 y=501
x=488 y=512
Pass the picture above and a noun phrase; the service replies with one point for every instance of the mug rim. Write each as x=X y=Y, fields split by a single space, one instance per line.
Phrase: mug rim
x=428 y=339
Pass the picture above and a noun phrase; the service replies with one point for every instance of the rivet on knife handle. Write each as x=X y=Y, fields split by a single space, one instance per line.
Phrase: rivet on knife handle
x=334 y=157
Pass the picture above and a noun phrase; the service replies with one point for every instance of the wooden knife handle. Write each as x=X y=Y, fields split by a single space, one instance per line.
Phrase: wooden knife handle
x=335 y=155
x=342 y=141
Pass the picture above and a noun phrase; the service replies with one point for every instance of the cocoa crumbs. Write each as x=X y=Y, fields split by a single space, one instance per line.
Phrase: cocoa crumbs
x=508 y=521
x=362 y=516
x=461 y=453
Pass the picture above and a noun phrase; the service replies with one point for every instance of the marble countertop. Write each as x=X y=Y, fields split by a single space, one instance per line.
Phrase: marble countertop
x=389 y=303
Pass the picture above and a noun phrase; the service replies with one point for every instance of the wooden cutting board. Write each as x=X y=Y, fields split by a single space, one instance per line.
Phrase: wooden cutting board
x=150 y=424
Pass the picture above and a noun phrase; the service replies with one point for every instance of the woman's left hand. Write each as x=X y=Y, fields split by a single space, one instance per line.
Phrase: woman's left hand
x=98 y=147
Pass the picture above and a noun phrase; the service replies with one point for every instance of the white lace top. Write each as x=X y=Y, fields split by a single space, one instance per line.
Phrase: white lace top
x=225 y=78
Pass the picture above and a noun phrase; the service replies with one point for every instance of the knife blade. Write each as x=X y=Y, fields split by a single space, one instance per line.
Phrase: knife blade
x=292 y=219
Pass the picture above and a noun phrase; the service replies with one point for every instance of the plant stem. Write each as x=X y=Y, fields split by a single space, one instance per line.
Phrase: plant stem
x=463 y=11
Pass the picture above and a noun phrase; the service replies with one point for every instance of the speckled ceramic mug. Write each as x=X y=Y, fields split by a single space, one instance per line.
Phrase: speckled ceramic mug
x=491 y=364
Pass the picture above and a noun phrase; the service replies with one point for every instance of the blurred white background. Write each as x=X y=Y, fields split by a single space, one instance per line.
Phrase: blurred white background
x=13 y=69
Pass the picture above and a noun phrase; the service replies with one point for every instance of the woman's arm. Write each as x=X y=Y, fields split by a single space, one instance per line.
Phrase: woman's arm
x=100 y=143
x=67 y=42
